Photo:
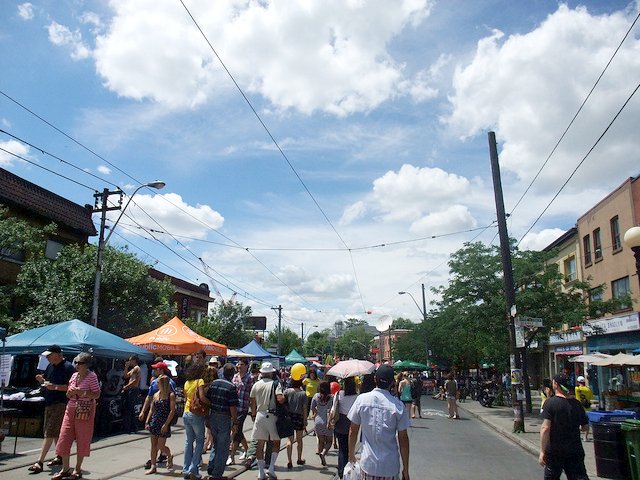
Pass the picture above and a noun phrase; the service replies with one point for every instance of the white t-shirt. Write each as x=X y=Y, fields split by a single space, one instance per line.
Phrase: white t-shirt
x=261 y=391
x=345 y=403
x=380 y=416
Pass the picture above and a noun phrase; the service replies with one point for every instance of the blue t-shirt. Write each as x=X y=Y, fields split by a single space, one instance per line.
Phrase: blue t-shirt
x=153 y=388
x=57 y=375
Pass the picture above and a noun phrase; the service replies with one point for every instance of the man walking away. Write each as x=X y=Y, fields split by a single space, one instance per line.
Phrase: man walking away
x=55 y=381
x=243 y=382
x=381 y=416
x=560 y=445
x=584 y=395
x=264 y=396
x=223 y=396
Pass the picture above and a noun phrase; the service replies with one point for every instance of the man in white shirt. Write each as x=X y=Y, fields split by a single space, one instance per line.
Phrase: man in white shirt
x=381 y=415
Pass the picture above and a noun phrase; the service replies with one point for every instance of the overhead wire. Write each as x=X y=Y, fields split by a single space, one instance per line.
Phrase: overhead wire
x=576 y=114
x=581 y=162
x=277 y=145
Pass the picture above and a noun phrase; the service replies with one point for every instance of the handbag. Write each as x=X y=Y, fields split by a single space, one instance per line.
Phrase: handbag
x=284 y=424
x=352 y=471
x=197 y=406
x=83 y=410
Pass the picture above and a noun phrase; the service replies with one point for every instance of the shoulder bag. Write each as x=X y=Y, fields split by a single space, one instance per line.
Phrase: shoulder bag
x=197 y=406
x=284 y=425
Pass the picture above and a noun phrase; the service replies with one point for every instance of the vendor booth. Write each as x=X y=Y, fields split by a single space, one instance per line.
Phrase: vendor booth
x=73 y=336
x=259 y=353
x=175 y=338
x=294 y=357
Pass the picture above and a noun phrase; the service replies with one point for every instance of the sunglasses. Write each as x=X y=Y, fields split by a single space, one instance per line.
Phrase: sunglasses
x=79 y=363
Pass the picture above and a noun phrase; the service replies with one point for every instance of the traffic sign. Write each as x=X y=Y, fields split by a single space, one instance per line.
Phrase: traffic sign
x=528 y=322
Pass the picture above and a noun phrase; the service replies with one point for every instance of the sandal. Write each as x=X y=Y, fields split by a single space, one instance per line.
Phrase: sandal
x=151 y=471
x=36 y=467
x=62 y=474
x=56 y=461
x=170 y=461
x=301 y=462
x=75 y=476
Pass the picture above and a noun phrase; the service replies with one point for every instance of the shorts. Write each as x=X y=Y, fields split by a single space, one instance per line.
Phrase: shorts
x=53 y=415
x=416 y=401
x=366 y=476
x=264 y=428
x=297 y=419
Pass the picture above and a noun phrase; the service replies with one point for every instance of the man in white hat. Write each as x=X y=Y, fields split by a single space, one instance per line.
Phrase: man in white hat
x=584 y=395
x=264 y=395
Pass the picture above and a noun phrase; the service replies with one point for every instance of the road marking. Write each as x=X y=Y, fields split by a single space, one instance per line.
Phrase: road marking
x=434 y=413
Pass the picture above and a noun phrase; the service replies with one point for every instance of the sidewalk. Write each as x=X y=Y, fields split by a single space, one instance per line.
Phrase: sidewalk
x=501 y=420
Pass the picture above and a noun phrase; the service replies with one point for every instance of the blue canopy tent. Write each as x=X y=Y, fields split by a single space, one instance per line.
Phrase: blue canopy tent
x=257 y=351
x=74 y=336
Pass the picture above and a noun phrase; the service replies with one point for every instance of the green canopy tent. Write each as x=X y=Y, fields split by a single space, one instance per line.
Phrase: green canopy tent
x=294 y=357
x=409 y=365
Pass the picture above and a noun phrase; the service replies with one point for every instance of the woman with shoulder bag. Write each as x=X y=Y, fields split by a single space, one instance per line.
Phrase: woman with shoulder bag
x=79 y=416
x=297 y=400
x=194 y=420
x=345 y=399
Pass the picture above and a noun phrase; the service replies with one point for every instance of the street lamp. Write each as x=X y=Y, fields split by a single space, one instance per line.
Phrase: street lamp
x=632 y=240
x=422 y=310
x=102 y=242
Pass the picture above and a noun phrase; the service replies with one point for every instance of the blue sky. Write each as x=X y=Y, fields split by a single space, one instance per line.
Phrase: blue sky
x=380 y=109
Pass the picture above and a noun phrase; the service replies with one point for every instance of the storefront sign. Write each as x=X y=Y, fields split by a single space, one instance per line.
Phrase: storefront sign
x=621 y=323
x=566 y=337
x=568 y=350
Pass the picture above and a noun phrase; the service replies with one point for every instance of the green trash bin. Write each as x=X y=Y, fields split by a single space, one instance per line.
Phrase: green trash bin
x=631 y=429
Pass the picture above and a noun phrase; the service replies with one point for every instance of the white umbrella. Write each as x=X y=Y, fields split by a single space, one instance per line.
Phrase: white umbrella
x=619 y=360
x=590 y=357
x=351 y=368
x=238 y=354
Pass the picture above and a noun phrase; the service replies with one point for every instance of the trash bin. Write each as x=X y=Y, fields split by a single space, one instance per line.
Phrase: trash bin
x=610 y=451
x=631 y=429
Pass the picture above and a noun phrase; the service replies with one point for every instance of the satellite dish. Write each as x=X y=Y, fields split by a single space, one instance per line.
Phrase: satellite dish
x=383 y=323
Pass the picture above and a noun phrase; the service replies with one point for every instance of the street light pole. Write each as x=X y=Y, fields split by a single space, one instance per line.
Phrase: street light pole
x=632 y=240
x=102 y=242
x=422 y=310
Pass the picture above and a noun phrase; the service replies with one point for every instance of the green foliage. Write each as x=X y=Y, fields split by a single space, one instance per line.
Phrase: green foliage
x=317 y=343
x=402 y=323
x=412 y=346
x=289 y=340
x=356 y=343
x=355 y=322
x=225 y=324
x=61 y=289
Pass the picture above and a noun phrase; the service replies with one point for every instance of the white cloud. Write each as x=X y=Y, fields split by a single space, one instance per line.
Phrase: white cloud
x=527 y=87
x=353 y=212
x=453 y=219
x=413 y=191
x=25 y=11
x=61 y=35
x=542 y=239
x=173 y=215
x=104 y=170
x=318 y=55
x=17 y=148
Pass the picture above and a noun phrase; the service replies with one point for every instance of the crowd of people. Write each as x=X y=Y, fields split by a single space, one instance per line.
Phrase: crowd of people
x=217 y=401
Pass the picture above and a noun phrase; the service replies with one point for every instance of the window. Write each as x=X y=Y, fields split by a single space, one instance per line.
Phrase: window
x=53 y=248
x=596 y=295
x=586 y=244
x=615 y=234
x=570 y=273
x=13 y=254
x=597 y=244
x=620 y=288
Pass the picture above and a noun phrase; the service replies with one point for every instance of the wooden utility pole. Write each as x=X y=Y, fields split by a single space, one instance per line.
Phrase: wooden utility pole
x=509 y=290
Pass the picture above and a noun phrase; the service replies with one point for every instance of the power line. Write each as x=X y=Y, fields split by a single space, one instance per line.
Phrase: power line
x=275 y=142
x=581 y=161
x=576 y=114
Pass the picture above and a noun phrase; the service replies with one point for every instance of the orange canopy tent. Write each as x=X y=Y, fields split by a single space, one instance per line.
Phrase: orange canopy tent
x=175 y=338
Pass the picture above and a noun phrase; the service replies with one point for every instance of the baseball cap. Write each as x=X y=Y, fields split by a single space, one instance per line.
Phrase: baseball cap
x=160 y=366
x=580 y=379
x=384 y=376
x=563 y=382
x=52 y=349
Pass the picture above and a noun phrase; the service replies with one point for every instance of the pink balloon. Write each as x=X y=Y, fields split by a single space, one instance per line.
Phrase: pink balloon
x=335 y=388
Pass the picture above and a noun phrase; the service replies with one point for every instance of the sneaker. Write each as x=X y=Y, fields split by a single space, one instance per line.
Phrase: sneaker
x=242 y=456
x=162 y=458
x=147 y=465
x=230 y=461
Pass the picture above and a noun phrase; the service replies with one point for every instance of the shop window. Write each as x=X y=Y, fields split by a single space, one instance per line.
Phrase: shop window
x=586 y=246
x=621 y=289
x=570 y=274
x=597 y=245
x=615 y=234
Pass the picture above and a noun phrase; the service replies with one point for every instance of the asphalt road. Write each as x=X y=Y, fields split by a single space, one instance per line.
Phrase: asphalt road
x=464 y=449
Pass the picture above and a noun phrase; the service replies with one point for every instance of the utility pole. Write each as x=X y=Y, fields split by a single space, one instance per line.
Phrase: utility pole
x=102 y=200
x=279 y=309
x=509 y=290
x=424 y=306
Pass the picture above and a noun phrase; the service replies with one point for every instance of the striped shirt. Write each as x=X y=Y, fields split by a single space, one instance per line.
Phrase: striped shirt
x=222 y=394
x=88 y=383
x=243 y=384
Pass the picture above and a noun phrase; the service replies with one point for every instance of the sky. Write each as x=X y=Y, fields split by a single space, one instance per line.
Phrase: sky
x=322 y=155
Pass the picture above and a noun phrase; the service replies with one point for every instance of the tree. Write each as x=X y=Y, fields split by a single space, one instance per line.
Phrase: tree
x=355 y=322
x=61 y=289
x=289 y=340
x=413 y=346
x=356 y=343
x=317 y=343
x=402 y=323
x=225 y=324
